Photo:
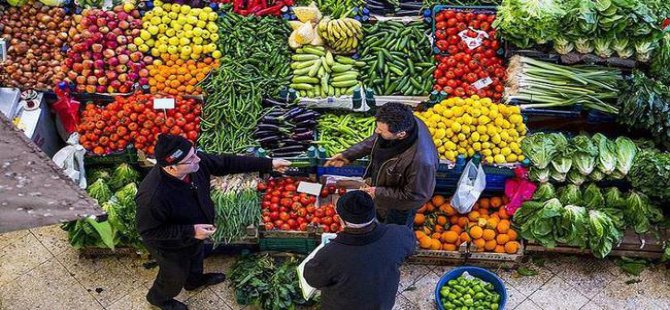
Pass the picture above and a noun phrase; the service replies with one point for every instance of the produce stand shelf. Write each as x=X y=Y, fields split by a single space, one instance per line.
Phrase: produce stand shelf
x=468 y=256
x=302 y=242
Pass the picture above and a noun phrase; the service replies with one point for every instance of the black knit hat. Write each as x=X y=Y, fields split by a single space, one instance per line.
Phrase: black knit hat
x=171 y=149
x=356 y=207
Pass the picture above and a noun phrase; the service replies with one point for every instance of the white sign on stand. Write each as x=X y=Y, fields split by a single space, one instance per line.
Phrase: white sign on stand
x=163 y=103
x=310 y=188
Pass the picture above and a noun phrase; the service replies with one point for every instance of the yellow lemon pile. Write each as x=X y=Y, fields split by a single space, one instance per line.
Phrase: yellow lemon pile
x=180 y=30
x=476 y=125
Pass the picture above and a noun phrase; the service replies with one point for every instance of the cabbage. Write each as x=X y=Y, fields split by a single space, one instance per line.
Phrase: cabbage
x=607 y=159
x=602 y=233
x=640 y=213
x=527 y=211
x=539 y=175
x=584 y=158
x=540 y=149
x=556 y=175
x=99 y=191
x=625 y=152
x=123 y=174
x=596 y=175
x=541 y=225
x=573 y=226
x=614 y=198
x=575 y=177
x=593 y=197
x=544 y=192
x=562 y=162
x=570 y=195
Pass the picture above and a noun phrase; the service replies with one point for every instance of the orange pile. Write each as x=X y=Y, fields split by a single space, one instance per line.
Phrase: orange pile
x=438 y=226
x=174 y=76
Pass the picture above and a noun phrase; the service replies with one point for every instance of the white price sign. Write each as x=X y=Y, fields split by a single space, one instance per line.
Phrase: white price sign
x=482 y=83
x=163 y=103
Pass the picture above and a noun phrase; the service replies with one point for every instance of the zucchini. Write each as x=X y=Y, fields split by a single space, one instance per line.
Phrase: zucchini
x=304 y=57
x=346 y=83
x=301 y=86
x=313 y=51
x=346 y=77
x=341 y=68
x=304 y=79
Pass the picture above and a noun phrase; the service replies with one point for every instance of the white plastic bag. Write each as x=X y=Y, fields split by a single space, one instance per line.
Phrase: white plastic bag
x=71 y=160
x=471 y=184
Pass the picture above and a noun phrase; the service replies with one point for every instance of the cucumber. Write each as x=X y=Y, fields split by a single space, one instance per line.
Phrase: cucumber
x=302 y=64
x=341 y=68
x=324 y=64
x=347 y=83
x=329 y=58
x=314 y=69
x=304 y=79
x=344 y=60
x=302 y=71
x=346 y=77
x=304 y=57
x=331 y=90
x=301 y=86
x=313 y=51
x=360 y=64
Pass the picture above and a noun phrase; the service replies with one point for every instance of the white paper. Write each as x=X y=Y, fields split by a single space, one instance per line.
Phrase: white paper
x=309 y=188
x=163 y=103
x=473 y=43
x=482 y=83
x=308 y=291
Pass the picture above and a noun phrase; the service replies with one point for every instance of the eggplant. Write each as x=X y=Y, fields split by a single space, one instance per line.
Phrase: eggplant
x=269 y=139
x=272 y=102
x=308 y=115
x=263 y=134
x=307 y=123
x=292 y=113
x=290 y=148
x=272 y=120
x=270 y=127
x=299 y=130
x=303 y=136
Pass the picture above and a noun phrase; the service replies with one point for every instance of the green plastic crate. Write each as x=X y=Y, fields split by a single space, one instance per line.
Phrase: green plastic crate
x=296 y=245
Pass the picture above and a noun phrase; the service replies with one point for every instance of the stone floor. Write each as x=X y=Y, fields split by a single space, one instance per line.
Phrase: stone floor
x=39 y=270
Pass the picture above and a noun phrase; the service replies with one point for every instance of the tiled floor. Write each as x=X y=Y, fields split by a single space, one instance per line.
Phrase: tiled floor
x=39 y=270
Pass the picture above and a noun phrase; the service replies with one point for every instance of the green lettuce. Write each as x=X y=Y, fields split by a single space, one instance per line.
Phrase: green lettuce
x=640 y=213
x=607 y=159
x=573 y=226
x=570 y=195
x=527 y=211
x=602 y=232
x=544 y=192
x=625 y=151
x=557 y=175
x=99 y=191
x=593 y=197
x=539 y=175
x=562 y=161
x=614 y=198
x=123 y=174
x=584 y=158
x=575 y=177
x=525 y=23
x=596 y=175
x=541 y=226
x=540 y=149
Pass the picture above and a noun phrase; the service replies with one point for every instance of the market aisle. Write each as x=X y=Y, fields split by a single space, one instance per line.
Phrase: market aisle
x=39 y=270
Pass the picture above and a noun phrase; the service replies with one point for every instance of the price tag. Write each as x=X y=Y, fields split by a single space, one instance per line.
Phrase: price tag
x=310 y=188
x=482 y=83
x=163 y=103
x=471 y=42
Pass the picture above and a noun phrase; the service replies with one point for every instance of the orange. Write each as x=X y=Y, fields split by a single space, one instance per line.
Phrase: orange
x=425 y=242
x=484 y=203
x=429 y=207
x=438 y=200
x=427 y=230
x=490 y=245
x=448 y=247
x=436 y=235
x=464 y=237
x=419 y=234
x=419 y=219
x=512 y=247
x=476 y=232
x=512 y=234
x=450 y=236
x=479 y=243
x=492 y=223
x=448 y=209
x=499 y=249
x=503 y=226
x=453 y=219
x=442 y=220
x=503 y=213
x=475 y=207
x=488 y=234
x=456 y=228
x=496 y=202
x=502 y=239
x=463 y=221
x=439 y=228
x=435 y=244
x=473 y=215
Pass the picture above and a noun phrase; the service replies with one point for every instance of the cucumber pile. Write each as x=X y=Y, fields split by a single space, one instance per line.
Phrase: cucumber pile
x=319 y=74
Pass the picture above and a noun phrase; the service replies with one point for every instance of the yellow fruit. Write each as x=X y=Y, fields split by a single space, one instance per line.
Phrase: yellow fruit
x=516 y=119
x=456 y=127
x=520 y=157
x=155 y=52
x=173 y=41
x=496 y=138
x=138 y=41
x=505 y=151
x=143 y=48
x=465 y=130
x=153 y=30
x=489 y=159
x=475 y=136
x=477 y=146
x=155 y=20
x=145 y=35
x=511 y=158
x=172 y=49
x=481 y=129
x=213 y=16
x=486 y=152
x=462 y=137
x=499 y=159
x=185 y=9
x=483 y=120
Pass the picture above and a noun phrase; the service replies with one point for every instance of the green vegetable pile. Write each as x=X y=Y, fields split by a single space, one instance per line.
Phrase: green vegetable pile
x=658 y=68
x=398 y=58
x=579 y=159
x=237 y=206
x=319 y=74
x=337 y=8
x=262 y=281
x=468 y=292
x=255 y=65
x=590 y=218
x=644 y=105
x=650 y=174
x=525 y=23
x=338 y=132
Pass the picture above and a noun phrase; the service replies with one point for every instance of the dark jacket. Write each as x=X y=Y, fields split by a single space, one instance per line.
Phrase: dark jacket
x=361 y=271
x=406 y=181
x=167 y=208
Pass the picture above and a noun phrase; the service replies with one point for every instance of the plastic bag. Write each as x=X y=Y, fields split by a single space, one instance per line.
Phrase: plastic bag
x=518 y=190
x=471 y=184
x=71 y=160
x=67 y=109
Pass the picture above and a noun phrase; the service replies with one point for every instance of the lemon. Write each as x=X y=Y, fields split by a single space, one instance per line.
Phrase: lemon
x=514 y=146
x=187 y=27
x=441 y=125
x=449 y=133
x=153 y=30
x=197 y=40
x=467 y=119
x=185 y=9
x=150 y=42
x=184 y=41
x=438 y=143
x=162 y=28
x=477 y=146
x=181 y=20
x=456 y=127
x=145 y=35
x=474 y=136
x=471 y=152
x=173 y=41
x=186 y=50
x=505 y=151
x=483 y=120
x=481 y=129
x=450 y=145
x=173 y=16
x=469 y=101
x=520 y=158
x=462 y=151
x=496 y=138
x=485 y=101
x=158 y=3
x=210 y=48
x=488 y=159
x=511 y=158
x=155 y=52
x=440 y=149
x=184 y=56
x=493 y=114
x=440 y=133
x=461 y=137
x=431 y=130
x=463 y=144
x=516 y=119
x=486 y=152
x=458 y=111
x=212 y=27
x=196 y=12
x=155 y=20
x=197 y=49
x=499 y=159
x=172 y=49
x=495 y=151
x=486 y=145
x=459 y=101
x=213 y=16
x=448 y=113
x=188 y=34
x=438 y=109
x=162 y=48
x=201 y=24
x=505 y=136
x=484 y=138
x=192 y=20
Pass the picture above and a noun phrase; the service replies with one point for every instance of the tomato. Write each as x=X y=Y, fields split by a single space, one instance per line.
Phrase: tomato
x=290 y=187
x=269 y=226
x=305 y=201
x=438 y=74
x=274 y=215
x=329 y=212
x=341 y=191
x=319 y=212
x=334 y=227
x=324 y=193
x=286 y=202
x=441 y=25
x=452 y=49
x=442 y=44
x=325 y=228
x=303 y=227
x=285 y=227
x=469 y=16
x=170 y=122
x=274 y=206
x=454 y=39
x=284 y=216
x=301 y=212
x=315 y=220
x=327 y=220
x=442 y=81
x=261 y=187
x=296 y=206
x=175 y=130
x=292 y=223
x=296 y=199
x=441 y=34
x=310 y=209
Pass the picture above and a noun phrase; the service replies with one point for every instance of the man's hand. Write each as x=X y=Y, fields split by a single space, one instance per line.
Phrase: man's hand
x=337 y=161
x=204 y=231
x=280 y=165
x=370 y=190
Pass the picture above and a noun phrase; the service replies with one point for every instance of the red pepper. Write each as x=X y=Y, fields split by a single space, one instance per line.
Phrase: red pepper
x=273 y=10
x=263 y=3
x=237 y=6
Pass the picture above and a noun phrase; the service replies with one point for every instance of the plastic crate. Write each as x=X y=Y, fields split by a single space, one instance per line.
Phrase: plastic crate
x=355 y=169
x=129 y=156
x=459 y=8
x=296 y=245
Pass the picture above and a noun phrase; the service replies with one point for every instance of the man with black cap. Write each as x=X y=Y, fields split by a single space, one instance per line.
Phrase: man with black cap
x=175 y=213
x=359 y=269
x=403 y=163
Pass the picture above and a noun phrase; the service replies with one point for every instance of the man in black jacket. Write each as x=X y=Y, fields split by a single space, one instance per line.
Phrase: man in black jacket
x=359 y=269
x=175 y=213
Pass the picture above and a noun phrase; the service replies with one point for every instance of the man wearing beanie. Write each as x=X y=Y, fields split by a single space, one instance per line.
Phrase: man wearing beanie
x=403 y=162
x=175 y=213
x=359 y=269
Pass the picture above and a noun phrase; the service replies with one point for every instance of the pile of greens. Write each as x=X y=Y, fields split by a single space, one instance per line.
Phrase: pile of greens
x=265 y=282
x=579 y=159
x=644 y=104
x=525 y=23
x=115 y=191
x=650 y=174
x=237 y=205
x=658 y=68
x=590 y=218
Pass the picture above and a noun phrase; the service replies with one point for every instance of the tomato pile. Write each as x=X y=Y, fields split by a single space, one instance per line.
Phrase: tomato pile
x=286 y=209
x=464 y=71
x=133 y=120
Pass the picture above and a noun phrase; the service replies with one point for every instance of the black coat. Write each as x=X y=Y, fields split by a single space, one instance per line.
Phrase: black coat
x=167 y=208
x=361 y=271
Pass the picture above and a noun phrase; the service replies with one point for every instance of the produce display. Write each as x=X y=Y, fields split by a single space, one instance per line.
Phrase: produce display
x=34 y=34
x=471 y=64
x=476 y=125
x=339 y=132
x=470 y=292
x=336 y=8
x=650 y=174
x=190 y=33
x=317 y=73
x=174 y=76
x=660 y=60
x=236 y=205
x=257 y=7
x=286 y=131
x=644 y=105
x=579 y=159
x=304 y=29
x=102 y=57
x=132 y=120
x=537 y=84
x=397 y=58
x=343 y=35
x=438 y=226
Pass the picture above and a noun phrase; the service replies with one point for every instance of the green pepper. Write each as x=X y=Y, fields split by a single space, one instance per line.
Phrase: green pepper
x=494 y=306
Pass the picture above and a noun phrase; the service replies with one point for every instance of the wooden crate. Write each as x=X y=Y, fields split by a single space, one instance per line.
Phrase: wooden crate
x=467 y=254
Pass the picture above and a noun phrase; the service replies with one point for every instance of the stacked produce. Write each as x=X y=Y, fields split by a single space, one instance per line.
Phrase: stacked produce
x=438 y=226
x=644 y=104
x=115 y=190
x=336 y=8
x=606 y=28
x=257 y=7
x=579 y=159
x=537 y=84
x=102 y=57
x=316 y=73
x=659 y=63
x=469 y=126
x=286 y=209
x=34 y=34
x=590 y=218
x=340 y=34
x=286 y=131
x=650 y=174
x=236 y=205
x=132 y=120
x=469 y=291
x=397 y=58
x=471 y=65
x=175 y=76
x=339 y=132
x=177 y=29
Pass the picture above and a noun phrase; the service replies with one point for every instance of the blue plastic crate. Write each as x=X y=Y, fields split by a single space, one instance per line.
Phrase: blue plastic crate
x=477 y=272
